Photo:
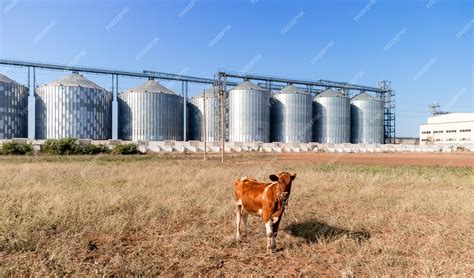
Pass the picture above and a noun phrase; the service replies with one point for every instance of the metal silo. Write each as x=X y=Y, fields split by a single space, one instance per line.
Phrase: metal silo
x=13 y=109
x=367 y=119
x=196 y=115
x=249 y=113
x=332 y=117
x=150 y=112
x=73 y=107
x=291 y=114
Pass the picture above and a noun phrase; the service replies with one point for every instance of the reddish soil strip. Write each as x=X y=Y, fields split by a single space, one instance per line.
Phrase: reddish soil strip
x=421 y=159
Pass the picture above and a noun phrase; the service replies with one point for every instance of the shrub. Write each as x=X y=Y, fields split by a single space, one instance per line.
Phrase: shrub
x=14 y=148
x=70 y=146
x=91 y=149
x=124 y=149
x=66 y=146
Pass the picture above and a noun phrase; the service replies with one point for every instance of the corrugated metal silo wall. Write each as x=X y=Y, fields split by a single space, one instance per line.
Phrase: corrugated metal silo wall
x=73 y=112
x=249 y=115
x=196 y=115
x=332 y=120
x=367 y=117
x=291 y=118
x=13 y=111
x=150 y=116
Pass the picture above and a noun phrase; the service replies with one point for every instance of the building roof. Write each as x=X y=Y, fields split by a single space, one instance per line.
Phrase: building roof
x=330 y=93
x=151 y=86
x=451 y=117
x=365 y=96
x=6 y=79
x=247 y=85
x=74 y=80
x=290 y=89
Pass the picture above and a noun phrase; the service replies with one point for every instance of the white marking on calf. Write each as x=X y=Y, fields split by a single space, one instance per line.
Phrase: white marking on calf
x=266 y=188
x=269 y=228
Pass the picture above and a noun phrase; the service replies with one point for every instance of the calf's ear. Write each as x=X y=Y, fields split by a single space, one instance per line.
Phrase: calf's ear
x=273 y=177
x=293 y=176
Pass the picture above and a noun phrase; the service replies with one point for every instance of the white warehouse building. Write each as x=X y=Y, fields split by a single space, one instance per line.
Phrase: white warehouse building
x=452 y=128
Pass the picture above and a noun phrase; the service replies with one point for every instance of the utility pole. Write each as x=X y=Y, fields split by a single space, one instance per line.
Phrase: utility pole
x=205 y=125
x=222 y=87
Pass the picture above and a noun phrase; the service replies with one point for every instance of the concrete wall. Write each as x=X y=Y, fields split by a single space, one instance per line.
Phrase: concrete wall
x=197 y=146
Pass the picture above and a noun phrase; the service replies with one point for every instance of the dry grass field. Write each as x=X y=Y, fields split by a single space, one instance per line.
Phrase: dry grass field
x=173 y=216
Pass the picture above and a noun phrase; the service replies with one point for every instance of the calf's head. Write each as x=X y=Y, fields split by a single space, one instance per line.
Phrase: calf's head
x=284 y=180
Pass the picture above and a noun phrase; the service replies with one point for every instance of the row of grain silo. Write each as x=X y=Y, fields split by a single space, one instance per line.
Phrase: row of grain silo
x=75 y=107
x=13 y=109
x=290 y=115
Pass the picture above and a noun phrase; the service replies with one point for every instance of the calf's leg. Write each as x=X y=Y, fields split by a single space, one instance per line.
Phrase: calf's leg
x=270 y=237
x=275 y=232
x=238 y=215
x=245 y=218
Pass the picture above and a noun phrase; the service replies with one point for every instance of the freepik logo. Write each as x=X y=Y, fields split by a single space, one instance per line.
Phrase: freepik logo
x=322 y=52
x=364 y=10
x=394 y=40
x=117 y=18
x=219 y=35
x=147 y=48
x=292 y=23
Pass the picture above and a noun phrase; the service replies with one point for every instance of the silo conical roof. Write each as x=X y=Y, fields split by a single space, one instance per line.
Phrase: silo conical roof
x=247 y=85
x=290 y=89
x=74 y=80
x=210 y=92
x=6 y=79
x=364 y=96
x=330 y=93
x=151 y=86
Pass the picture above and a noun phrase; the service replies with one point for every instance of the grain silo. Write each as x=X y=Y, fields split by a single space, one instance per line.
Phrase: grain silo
x=332 y=117
x=367 y=119
x=73 y=107
x=150 y=112
x=13 y=109
x=209 y=100
x=249 y=113
x=291 y=116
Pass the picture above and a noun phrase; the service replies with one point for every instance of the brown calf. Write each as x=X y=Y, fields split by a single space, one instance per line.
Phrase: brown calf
x=267 y=200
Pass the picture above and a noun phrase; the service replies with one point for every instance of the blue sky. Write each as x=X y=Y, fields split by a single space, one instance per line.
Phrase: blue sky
x=425 y=47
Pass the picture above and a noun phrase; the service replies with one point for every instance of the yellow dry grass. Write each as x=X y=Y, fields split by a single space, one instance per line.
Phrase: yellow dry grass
x=152 y=215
